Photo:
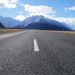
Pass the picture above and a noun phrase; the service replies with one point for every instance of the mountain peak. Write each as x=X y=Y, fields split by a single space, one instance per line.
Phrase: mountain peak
x=38 y=16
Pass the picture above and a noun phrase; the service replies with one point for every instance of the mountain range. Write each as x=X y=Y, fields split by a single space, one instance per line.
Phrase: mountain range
x=42 y=23
x=34 y=22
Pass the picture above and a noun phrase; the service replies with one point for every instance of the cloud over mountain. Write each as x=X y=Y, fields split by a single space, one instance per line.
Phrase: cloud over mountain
x=20 y=17
x=69 y=21
x=38 y=10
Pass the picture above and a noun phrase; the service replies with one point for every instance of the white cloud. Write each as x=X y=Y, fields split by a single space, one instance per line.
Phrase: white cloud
x=69 y=21
x=46 y=15
x=39 y=10
x=20 y=17
x=8 y=3
x=70 y=8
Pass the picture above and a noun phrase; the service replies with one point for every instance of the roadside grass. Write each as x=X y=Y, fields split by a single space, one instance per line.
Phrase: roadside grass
x=66 y=32
x=5 y=31
x=62 y=32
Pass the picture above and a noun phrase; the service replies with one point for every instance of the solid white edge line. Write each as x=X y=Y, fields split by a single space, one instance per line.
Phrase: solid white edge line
x=36 y=48
x=10 y=34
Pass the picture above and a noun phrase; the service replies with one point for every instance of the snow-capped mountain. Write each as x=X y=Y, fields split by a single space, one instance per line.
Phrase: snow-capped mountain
x=41 y=22
x=8 y=22
x=29 y=20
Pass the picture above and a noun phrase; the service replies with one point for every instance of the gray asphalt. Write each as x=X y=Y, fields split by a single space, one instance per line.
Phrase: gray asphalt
x=56 y=55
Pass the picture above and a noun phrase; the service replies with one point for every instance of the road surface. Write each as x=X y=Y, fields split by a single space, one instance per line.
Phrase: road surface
x=35 y=52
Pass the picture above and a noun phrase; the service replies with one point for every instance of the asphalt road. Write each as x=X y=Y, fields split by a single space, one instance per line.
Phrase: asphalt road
x=35 y=52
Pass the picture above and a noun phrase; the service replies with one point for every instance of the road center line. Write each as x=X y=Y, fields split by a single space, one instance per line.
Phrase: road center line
x=36 y=48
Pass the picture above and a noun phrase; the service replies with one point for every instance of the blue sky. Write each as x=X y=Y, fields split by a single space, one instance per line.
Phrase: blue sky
x=62 y=10
x=57 y=5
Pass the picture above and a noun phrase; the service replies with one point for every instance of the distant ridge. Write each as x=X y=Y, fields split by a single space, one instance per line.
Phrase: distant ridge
x=9 y=22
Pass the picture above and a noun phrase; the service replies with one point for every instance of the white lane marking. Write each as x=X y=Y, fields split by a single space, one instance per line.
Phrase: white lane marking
x=9 y=34
x=36 y=48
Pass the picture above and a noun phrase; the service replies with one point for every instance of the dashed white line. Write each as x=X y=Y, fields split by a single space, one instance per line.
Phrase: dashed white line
x=36 y=48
